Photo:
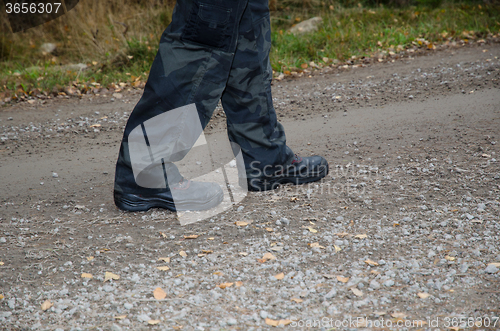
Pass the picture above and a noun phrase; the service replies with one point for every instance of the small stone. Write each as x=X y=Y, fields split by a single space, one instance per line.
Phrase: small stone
x=340 y=218
x=55 y=175
x=285 y=221
x=374 y=284
x=143 y=318
x=331 y=294
x=128 y=305
x=240 y=208
x=263 y=314
x=232 y=321
x=491 y=269
x=115 y=327
x=389 y=283
x=3 y=240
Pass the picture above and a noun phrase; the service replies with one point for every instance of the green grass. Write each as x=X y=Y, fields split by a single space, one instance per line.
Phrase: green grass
x=116 y=56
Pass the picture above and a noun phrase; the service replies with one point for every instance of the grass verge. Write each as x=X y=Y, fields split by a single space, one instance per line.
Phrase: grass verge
x=117 y=47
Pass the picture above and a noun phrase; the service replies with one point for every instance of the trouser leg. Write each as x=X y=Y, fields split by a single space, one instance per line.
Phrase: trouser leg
x=191 y=67
x=247 y=100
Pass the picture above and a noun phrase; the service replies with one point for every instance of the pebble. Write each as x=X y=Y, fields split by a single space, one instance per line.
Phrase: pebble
x=128 y=305
x=389 y=283
x=491 y=269
x=143 y=318
x=374 y=284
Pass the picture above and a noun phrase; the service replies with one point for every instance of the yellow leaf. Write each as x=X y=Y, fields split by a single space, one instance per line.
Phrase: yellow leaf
x=46 y=305
x=1 y=263
x=266 y=257
x=159 y=293
x=398 y=315
x=192 y=236
x=241 y=223
x=357 y=292
x=204 y=251
x=269 y=230
x=337 y=248
x=1 y=297
x=342 y=234
x=243 y=253
x=86 y=275
x=163 y=268
x=297 y=300
x=372 y=263
x=454 y=328
x=97 y=125
x=177 y=327
x=272 y=322
x=183 y=254
x=312 y=229
x=342 y=279
x=120 y=317
x=218 y=273
x=303 y=65
x=238 y=283
x=279 y=276
x=153 y=322
x=211 y=238
x=90 y=258
x=449 y=258
x=316 y=245
x=109 y=275
x=163 y=235
x=361 y=236
x=496 y=264
x=423 y=295
x=284 y=322
x=224 y=285
x=164 y=259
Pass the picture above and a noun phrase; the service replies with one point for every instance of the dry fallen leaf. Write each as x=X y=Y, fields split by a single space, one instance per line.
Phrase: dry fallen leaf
x=328 y=276
x=423 y=295
x=1 y=263
x=243 y=253
x=297 y=300
x=337 y=248
x=164 y=259
x=177 y=327
x=205 y=251
x=272 y=322
x=380 y=313
x=159 y=293
x=284 y=322
x=372 y=263
x=316 y=245
x=241 y=223
x=496 y=264
x=163 y=235
x=312 y=229
x=449 y=258
x=120 y=317
x=357 y=292
x=163 y=268
x=192 y=236
x=211 y=238
x=218 y=273
x=86 y=275
x=398 y=315
x=361 y=236
x=153 y=322
x=109 y=275
x=342 y=279
x=183 y=254
x=266 y=257
x=279 y=276
x=97 y=125
x=1 y=297
x=342 y=234
x=238 y=283
x=375 y=272
x=224 y=285
x=90 y=258
x=46 y=305
x=269 y=230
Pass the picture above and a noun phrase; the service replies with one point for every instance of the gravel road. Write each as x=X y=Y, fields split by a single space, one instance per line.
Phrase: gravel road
x=403 y=234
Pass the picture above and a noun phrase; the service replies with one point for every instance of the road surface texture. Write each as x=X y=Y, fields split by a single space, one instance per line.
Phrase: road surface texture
x=403 y=233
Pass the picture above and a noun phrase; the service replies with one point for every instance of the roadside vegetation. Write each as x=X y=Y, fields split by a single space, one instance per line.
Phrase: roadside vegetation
x=116 y=41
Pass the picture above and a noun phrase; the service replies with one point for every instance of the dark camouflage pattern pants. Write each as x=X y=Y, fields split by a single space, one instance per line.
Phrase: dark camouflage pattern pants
x=215 y=50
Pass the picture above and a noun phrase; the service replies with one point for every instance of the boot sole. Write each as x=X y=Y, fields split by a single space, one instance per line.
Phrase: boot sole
x=272 y=184
x=134 y=203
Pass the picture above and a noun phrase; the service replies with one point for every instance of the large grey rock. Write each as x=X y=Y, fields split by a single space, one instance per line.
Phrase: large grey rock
x=306 y=26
